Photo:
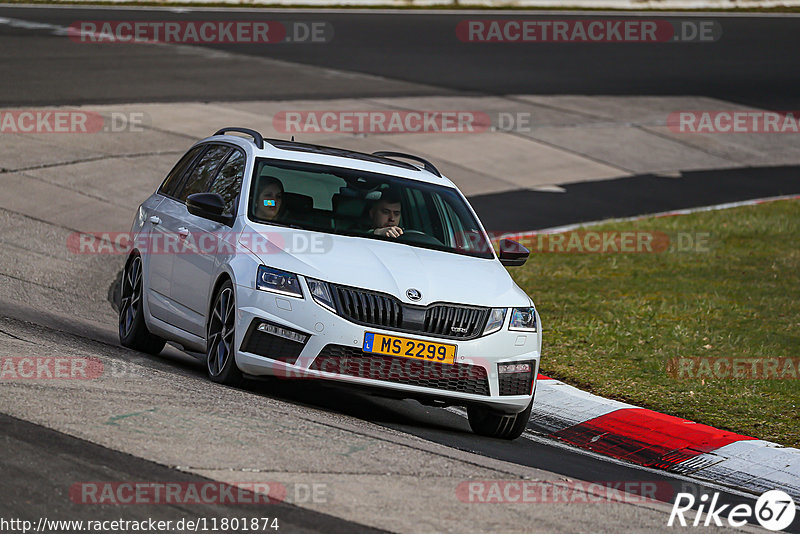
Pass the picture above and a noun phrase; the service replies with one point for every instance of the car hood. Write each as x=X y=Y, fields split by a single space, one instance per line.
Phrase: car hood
x=388 y=267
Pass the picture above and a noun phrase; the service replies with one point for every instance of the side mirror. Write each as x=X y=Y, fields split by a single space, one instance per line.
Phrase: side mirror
x=208 y=206
x=512 y=254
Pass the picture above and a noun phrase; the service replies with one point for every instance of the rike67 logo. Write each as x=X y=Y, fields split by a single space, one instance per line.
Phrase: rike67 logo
x=774 y=510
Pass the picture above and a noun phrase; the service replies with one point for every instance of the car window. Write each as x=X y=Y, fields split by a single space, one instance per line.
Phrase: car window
x=419 y=214
x=454 y=231
x=228 y=182
x=204 y=171
x=173 y=179
x=350 y=202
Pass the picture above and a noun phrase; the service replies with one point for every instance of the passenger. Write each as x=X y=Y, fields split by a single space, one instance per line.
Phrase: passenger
x=269 y=199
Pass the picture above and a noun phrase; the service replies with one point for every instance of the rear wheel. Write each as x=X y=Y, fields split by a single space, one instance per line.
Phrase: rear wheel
x=487 y=422
x=133 y=332
x=220 y=340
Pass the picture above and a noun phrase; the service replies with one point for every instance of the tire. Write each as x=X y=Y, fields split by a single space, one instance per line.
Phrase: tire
x=133 y=332
x=487 y=422
x=220 y=338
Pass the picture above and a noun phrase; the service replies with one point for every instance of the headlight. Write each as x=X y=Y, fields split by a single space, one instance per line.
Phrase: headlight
x=496 y=318
x=523 y=319
x=277 y=281
x=321 y=293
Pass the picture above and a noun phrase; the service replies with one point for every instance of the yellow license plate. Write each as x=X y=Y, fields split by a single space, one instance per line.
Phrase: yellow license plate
x=409 y=348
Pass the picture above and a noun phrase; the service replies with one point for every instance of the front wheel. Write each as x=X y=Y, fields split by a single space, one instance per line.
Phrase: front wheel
x=133 y=332
x=487 y=422
x=221 y=339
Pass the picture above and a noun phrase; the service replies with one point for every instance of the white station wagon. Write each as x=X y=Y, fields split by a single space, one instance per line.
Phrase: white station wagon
x=280 y=258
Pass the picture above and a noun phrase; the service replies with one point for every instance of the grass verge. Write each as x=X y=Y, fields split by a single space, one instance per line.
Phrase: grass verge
x=613 y=321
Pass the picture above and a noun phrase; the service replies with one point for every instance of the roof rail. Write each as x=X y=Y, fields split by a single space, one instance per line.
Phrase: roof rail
x=258 y=139
x=427 y=164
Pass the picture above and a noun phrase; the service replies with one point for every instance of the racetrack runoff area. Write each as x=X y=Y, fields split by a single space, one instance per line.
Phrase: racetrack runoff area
x=496 y=149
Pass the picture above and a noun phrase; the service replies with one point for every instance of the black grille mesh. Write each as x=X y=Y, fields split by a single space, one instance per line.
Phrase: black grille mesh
x=271 y=346
x=352 y=361
x=442 y=319
x=516 y=383
x=384 y=311
x=369 y=308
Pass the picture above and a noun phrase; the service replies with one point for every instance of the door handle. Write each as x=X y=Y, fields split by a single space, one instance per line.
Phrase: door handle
x=155 y=220
x=183 y=232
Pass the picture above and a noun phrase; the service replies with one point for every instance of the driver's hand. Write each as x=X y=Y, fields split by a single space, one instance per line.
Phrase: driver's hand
x=389 y=231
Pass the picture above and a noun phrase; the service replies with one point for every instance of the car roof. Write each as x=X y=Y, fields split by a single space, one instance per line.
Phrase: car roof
x=379 y=162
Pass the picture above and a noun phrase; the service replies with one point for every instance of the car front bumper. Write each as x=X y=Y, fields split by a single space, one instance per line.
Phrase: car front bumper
x=332 y=351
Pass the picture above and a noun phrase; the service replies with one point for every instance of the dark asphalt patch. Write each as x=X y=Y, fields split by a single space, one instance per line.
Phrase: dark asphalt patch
x=522 y=210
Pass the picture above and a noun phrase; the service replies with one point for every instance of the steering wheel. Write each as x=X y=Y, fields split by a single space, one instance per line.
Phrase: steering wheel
x=415 y=236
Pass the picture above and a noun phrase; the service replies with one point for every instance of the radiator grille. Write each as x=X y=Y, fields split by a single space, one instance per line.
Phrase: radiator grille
x=369 y=308
x=455 y=321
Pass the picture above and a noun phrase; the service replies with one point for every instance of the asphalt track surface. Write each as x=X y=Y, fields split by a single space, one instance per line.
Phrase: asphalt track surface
x=27 y=447
x=631 y=196
x=751 y=63
x=37 y=70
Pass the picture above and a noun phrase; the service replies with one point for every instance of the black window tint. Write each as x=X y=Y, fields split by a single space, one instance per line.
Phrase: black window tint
x=202 y=174
x=228 y=183
x=174 y=177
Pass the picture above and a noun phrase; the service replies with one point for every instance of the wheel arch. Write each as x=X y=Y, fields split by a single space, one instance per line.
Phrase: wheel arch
x=132 y=254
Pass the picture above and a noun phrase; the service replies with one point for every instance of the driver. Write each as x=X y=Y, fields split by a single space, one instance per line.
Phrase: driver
x=385 y=215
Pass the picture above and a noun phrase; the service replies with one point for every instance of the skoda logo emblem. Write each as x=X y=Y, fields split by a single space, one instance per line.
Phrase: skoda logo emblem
x=413 y=294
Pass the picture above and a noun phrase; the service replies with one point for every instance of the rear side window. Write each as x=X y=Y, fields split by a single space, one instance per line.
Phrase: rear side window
x=173 y=180
x=228 y=183
x=200 y=178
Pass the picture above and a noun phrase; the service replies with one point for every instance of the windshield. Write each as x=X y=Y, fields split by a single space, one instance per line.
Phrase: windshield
x=363 y=204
